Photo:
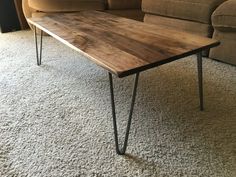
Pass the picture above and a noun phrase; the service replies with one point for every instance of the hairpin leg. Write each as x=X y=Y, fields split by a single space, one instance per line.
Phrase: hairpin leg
x=38 y=49
x=200 y=83
x=122 y=150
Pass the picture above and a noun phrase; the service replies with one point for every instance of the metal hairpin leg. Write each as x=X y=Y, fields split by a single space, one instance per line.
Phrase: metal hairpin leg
x=38 y=49
x=200 y=84
x=121 y=151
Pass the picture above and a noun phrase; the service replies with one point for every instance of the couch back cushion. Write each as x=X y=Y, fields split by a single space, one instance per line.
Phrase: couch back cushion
x=124 y=4
x=66 y=5
x=194 y=10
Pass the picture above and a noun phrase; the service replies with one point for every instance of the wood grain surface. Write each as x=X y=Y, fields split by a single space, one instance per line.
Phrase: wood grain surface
x=121 y=46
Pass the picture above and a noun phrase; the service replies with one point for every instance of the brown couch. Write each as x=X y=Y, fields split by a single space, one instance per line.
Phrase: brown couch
x=191 y=15
x=195 y=16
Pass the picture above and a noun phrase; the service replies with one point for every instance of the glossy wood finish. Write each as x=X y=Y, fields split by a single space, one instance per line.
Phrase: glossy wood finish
x=120 y=45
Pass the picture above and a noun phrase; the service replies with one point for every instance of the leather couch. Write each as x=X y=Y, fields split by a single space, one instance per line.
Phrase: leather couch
x=210 y=18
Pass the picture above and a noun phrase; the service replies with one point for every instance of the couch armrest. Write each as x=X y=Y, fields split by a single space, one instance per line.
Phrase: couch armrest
x=224 y=17
x=224 y=23
x=26 y=9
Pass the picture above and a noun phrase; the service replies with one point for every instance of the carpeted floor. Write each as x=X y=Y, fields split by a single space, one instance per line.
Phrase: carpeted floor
x=55 y=120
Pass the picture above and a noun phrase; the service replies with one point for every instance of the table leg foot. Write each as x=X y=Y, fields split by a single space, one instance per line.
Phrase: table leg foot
x=122 y=150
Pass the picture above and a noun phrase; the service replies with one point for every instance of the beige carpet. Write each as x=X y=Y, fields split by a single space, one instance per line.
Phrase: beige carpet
x=55 y=120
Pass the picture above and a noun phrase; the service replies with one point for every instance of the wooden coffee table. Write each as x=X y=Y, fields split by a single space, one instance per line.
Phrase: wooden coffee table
x=122 y=47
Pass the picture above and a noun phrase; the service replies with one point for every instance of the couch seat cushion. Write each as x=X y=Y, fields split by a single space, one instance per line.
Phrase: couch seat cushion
x=194 y=10
x=124 y=4
x=225 y=15
x=66 y=5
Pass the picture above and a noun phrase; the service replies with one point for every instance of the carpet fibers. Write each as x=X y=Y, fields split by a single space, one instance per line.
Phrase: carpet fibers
x=55 y=120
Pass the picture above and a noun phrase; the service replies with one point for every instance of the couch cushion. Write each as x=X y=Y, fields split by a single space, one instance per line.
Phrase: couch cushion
x=66 y=5
x=224 y=17
x=194 y=10
x=124 y=4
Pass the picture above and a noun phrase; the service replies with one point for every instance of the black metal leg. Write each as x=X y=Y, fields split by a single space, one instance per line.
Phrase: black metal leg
x=200 y=84
x=121 y=151
x=38 y=49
